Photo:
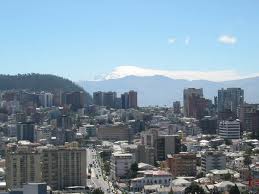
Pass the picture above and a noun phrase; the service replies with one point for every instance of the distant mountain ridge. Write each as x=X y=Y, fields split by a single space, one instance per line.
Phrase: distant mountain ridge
x=39 y=82
x=161 y=90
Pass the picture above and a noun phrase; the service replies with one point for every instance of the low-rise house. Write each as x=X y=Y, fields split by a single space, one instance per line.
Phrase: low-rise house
x=180 y=182
x=225 y=186
x=151 y=177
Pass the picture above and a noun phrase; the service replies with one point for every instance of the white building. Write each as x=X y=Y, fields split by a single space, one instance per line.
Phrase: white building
x=44 y=133
x=151 y=177
x=120 y=165
x=225 y=186
x=212 y=160
x=229 y=129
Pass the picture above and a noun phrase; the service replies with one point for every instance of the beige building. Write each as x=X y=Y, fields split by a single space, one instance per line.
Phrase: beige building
x=114 y=132
x=183 y=164
x=22 y=164
x=145 y=154
x=64 y=166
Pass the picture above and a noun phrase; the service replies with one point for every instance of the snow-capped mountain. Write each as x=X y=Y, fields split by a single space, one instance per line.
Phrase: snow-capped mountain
x=124 y=71
x=161 y=90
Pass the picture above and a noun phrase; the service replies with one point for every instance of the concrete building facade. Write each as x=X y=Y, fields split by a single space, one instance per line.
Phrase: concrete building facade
x=22 y=164
x=182 y=164
x=120 y=165
x=211 y=160
x=229 y=129
x=64 y=166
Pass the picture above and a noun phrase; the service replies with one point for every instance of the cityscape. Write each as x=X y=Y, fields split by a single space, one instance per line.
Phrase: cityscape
x=57 y=142
x=129 y=97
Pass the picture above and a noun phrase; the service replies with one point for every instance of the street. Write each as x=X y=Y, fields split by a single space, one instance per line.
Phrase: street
x=96 y=178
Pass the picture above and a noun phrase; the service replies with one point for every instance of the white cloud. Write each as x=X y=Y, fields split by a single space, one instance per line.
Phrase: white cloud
x=187 y=40
x=171 y=40
x=227 y=39
x=224 y=75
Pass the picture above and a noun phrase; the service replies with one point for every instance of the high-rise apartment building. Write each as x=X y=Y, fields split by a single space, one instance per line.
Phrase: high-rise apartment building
x=46 y=99
x=163 y=144
x=167 y=144
x=64 y=166
x=129 y=100
x=187 y=95
x=75 y=100
x=133 y=99
x=249 y=117
x=209 y=125
x=230 y=99
x=22 y=164
x=57 y=97
x=109 y=99
x=125 y=100
x=25 y=131
x=98 y=98
x=177 y=107
x=64 y=122
x=118 y=103
x=229 y=129
x=194 y=104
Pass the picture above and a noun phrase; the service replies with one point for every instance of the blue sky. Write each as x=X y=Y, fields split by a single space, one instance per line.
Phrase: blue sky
x=81 y=39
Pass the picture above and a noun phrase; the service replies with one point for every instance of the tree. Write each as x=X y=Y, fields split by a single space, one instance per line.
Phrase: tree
x=40 y=82
x=171 y=191
x=228 y=142
x=215 y=191
x=106 y=167
x=249 y=151
x=157 y=164
x=227 y=177
x=200 y=175
x=163 y=165
x=234 y=190
x=247 y=160
x=97 y=191
x=194 y=188
x=134 y=170
x=183 y=148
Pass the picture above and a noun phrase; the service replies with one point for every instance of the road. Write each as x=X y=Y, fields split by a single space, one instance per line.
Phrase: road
x=97 y=180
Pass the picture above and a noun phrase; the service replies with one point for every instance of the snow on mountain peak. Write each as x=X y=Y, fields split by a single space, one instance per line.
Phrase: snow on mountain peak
x=127 y=70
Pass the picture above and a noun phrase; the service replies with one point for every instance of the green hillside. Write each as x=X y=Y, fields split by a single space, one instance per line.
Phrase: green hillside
x=39 y=82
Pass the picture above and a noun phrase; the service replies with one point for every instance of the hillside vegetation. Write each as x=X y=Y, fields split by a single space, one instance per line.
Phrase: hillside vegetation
x=39 y=82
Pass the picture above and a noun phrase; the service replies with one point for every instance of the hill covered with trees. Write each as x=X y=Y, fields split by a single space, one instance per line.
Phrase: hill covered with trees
x=39 y=82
